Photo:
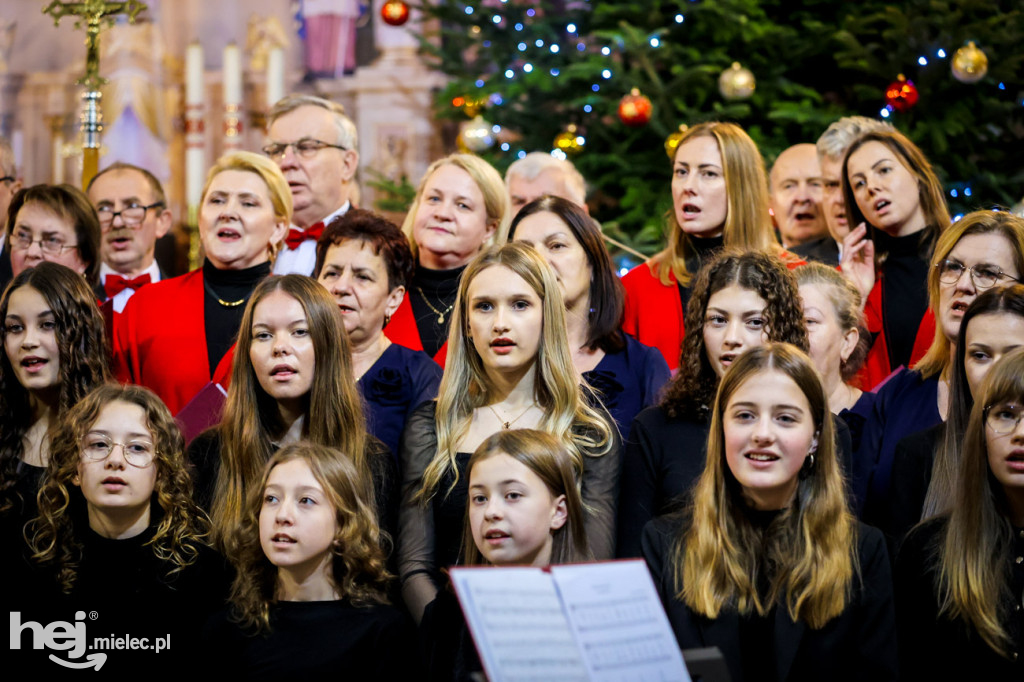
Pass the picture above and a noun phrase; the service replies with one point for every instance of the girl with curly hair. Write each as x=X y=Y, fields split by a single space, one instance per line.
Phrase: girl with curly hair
x=767 y=562
x=510 y=367
x=309 y=595
x=55 y=352
x=116 y=519
x=958 y=575
x=291 y=380
x=740 y=300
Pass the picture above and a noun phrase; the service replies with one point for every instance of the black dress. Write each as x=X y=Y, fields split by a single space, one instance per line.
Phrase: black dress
x=430 y=537
x=933 y=647
x=911 y=475
x=329 y=639
x=857 y=645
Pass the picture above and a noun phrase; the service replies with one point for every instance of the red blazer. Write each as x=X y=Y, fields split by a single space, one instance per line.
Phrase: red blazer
x=876 y=366
x=160 y=341
x=402 y=330
x=654 y=312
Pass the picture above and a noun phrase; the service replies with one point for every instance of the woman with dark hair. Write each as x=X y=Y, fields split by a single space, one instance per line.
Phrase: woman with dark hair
x=55 y=352
x=118 y=533
x=290 y=380
x=176 y=336
x=719 y=198
x=60 y=219
x=983 y=249
x=891 y=189
x=766 y=562
x=364 y=261
x=625 y=374
x=741 y=300
x=925 y=464
x=959 y=577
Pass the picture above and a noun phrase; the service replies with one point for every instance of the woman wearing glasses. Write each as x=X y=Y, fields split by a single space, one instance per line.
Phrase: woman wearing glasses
x=461 y=206
x=982 y=250
x=118 y=533
x=54 y=223
x=959 y=577
x=176 y=336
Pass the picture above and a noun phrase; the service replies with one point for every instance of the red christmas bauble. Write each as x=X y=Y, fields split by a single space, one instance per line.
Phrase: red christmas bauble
x=395 y=12
x=635 y=109
x=901 y=94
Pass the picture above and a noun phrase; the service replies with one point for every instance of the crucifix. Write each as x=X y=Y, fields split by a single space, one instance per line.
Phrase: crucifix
x=96 y=15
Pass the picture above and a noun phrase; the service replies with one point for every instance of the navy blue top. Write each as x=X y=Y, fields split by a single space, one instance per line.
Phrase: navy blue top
x=629 y=381
x=904 y=404
x=400 y=381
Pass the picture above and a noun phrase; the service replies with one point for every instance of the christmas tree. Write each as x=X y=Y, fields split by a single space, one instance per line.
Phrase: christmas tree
x=531 y=70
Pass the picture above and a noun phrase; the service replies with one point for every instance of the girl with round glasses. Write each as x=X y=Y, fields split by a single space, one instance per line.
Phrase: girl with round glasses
x=117 y=532
x=959 y=577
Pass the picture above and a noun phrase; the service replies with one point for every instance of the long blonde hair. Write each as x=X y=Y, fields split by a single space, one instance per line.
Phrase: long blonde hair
x=973 y=578
x=809 y=551
x=938 y=359
x=334 y=414
x=748 y=224
x=557 y=389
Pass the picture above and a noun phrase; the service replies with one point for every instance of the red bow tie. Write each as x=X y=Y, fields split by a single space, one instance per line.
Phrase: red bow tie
x=115 y=284
x=297 y=236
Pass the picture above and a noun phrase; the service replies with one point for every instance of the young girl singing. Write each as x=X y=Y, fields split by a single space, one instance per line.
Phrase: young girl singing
x=309 y=595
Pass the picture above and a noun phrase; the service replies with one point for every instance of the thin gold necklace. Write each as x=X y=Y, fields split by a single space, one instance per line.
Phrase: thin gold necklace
x=440 y=313
x=508 y=424
x=226 y=304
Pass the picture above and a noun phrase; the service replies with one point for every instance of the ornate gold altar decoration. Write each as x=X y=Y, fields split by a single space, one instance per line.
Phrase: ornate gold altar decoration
x=95 y=15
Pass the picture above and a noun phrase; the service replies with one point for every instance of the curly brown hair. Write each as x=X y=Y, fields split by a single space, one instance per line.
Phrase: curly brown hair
x=692 y=391
x=83 y=354
x=54 y=535
x=359 y=569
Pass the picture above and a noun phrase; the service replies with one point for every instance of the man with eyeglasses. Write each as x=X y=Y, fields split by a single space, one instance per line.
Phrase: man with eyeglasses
x=133 y=214
x=315 y=145
x=9 y=186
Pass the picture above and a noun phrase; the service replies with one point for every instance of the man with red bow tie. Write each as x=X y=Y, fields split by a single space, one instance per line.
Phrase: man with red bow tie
x=316 y=147
x=133 y=215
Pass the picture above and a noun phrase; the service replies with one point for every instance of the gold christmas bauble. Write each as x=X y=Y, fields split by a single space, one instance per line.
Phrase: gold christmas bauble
x=736 y=82
x=476 y=135
x=672 y=141
x=569 y=140
x=969 y=64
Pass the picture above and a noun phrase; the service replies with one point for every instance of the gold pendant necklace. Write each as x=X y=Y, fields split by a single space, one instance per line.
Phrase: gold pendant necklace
x=506 y=425
x=440 y=313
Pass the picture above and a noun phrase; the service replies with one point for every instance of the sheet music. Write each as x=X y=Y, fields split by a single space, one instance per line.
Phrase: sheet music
x=518 y=624
x=619 y=623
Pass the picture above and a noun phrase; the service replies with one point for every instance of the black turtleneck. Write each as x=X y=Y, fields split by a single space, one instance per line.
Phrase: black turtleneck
x=704 y=248
x=904 y=291
x=756 y=632
x=222 y=321
x=440 y=287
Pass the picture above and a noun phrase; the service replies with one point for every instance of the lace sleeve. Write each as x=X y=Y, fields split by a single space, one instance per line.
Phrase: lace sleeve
x=416 y=556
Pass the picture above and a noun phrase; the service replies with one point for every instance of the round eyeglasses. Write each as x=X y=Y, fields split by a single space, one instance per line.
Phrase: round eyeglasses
x=1003 y=419
x=96 y=447
x=983 y=276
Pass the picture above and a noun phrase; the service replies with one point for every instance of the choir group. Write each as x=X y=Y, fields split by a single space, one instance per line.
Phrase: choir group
x=822 y=463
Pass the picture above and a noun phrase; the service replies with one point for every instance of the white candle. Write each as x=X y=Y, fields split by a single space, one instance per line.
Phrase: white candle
x=275 y=76
x=194 y=74
x=232 y=75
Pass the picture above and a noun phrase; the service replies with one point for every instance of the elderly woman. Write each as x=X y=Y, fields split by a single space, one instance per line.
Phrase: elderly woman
x=461 y=206
x=53 y=223
x=364 y=262
x=176 y=336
